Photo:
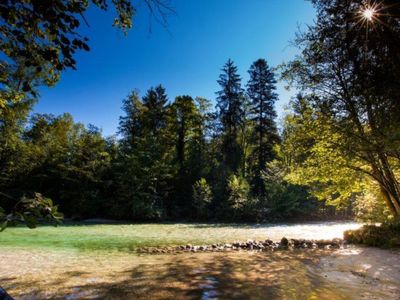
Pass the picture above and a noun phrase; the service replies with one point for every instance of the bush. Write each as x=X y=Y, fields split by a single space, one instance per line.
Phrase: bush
x=386 y=235
x=202 y=197
x=238 y=192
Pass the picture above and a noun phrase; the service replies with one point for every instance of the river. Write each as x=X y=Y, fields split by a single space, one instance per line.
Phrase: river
x=351 y=273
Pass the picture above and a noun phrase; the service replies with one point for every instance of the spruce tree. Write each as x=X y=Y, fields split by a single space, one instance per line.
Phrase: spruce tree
x=261 y=91
x=130 y=124
x=155 y=102
x=230 y=110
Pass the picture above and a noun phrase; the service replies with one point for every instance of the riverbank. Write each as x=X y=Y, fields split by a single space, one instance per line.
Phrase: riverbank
x=353 y=273
x=101 y=262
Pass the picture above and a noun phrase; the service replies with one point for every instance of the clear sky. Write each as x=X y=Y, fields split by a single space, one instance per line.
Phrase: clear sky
x=186 y=58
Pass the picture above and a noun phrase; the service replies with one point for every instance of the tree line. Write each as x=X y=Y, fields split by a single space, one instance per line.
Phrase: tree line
x=177 y=160
x=184 y=159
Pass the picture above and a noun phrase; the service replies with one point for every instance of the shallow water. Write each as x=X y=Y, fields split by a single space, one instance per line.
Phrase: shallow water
x=354 y=273
x=129 y=237
x=197 y=276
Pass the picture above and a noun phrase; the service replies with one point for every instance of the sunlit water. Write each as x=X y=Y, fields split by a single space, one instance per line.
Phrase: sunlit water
x=354 y=273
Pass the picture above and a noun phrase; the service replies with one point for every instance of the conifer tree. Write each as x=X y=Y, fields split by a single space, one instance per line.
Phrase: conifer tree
x=230 y=110
x=130 y=124
x=261 y=91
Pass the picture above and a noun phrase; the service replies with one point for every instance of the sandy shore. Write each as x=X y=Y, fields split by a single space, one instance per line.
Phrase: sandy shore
x=353 y=273
x=373 y=273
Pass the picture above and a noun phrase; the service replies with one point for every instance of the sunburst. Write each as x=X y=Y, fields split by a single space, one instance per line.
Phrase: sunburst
x=369 y=12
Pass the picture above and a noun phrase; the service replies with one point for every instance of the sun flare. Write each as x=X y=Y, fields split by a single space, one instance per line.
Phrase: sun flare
x=369 y=13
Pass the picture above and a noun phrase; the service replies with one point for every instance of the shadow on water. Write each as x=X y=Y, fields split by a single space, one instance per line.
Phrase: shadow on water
x=280 y=275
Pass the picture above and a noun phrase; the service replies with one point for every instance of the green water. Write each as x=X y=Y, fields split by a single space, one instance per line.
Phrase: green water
x=96 y=262
x=129 y=237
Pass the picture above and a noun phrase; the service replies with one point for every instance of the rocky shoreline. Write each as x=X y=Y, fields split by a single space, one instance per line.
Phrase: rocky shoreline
x=249 y=245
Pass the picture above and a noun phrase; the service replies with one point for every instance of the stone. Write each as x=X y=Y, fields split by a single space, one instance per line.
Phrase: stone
x=284 y=242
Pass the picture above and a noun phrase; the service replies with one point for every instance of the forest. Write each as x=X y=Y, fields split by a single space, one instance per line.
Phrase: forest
x=170 y=160
x=206 y=188
x=335 y=154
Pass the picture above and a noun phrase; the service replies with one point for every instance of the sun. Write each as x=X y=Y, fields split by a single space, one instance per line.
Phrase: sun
x=369 y=13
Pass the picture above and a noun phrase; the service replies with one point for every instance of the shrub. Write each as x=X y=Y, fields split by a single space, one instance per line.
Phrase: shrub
x=238 y=192
x=386 y=235
x=202 y=197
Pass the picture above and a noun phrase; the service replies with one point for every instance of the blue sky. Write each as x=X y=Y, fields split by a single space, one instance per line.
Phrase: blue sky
x=186 y=58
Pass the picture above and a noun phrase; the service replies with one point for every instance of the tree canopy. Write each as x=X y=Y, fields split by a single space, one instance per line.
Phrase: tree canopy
x=349 y=69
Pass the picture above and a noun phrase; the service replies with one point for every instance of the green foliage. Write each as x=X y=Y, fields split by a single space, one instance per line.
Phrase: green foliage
x=231 y=115
x=40 y=39
x=202 y=197
x=369 y=206
x=387 y=235
x=156 y=169
x=314 y=155
x=144 y=169
x=238 y=191
x=261 y=91
x=349 y=71
x=29 y=210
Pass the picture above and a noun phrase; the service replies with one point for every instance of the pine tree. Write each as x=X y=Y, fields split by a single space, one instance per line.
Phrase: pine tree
x=261 y=91
x=130 y=124
x=183 y=126
x=155 y=102
x=230 y=110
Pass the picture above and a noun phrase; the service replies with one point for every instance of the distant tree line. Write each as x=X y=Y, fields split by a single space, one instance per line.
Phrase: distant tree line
x=176 y=160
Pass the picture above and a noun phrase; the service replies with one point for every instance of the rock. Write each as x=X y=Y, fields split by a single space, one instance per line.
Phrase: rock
x=188 y=246
x=294 y=243
x=308 y=244
x=284 y=242
x=336 y=243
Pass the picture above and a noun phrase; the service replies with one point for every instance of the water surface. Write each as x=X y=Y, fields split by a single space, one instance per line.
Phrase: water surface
x=43 y=272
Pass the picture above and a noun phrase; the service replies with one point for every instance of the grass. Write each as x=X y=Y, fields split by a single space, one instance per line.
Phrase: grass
x=129 y=237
